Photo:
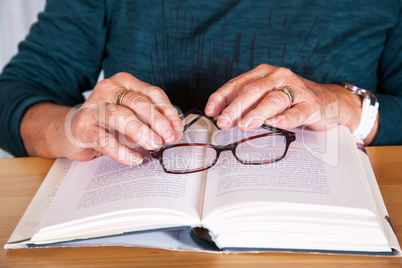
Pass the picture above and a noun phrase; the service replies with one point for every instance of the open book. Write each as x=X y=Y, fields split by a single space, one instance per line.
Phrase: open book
x=322 y=197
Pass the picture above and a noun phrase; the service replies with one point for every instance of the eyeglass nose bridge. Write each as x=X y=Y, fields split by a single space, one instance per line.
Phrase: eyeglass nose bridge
x=221 y=148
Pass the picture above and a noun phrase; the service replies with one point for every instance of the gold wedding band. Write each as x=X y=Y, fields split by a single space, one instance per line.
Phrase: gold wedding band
x=289 y=93
x=120 y=97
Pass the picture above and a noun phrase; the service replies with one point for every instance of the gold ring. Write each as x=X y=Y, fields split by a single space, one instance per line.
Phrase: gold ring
x=120 y=97
x=289 y=93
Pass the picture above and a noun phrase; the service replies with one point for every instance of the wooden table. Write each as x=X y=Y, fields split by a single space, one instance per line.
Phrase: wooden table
x=21 y=177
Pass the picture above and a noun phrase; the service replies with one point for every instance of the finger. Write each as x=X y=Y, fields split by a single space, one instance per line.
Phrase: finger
x=228 y=92
x=159 y=98
x=297 y=115
x=274 y=103
x=146 y=111
x=107 y=144
x=126 y=122
x=172 y=115
x=249 y=97
x=109 y=89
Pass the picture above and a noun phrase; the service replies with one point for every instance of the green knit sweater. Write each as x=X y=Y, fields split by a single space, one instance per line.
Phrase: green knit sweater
x=191 y=48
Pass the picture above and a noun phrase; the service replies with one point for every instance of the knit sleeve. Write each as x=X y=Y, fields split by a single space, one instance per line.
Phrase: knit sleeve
x=60 y=58
x=390 y=88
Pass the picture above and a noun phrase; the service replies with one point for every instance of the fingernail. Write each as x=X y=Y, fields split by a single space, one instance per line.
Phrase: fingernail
x=169 y=136
x=210 y=108
x=135 y=160
x=272 y=122
x=156 y=143
x=254 y=124
x=250 y=124
x=177 y=126
x=281 y=124
x=245 y=122
x=170 y=139
x=222 y=123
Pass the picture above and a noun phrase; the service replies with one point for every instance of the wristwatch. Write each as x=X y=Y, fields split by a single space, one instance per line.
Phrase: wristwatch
x=369 y=110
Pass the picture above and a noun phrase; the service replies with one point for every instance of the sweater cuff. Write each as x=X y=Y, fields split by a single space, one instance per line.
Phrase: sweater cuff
x=15 y=99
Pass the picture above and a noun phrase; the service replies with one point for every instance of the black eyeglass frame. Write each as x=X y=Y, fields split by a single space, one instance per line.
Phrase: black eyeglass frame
x=157 y=154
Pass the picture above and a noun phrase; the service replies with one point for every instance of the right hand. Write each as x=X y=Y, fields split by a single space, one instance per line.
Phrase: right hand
x=146 y=117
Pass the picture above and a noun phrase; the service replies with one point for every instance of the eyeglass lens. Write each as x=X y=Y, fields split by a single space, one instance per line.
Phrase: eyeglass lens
x=261 y=150
x=188 y=158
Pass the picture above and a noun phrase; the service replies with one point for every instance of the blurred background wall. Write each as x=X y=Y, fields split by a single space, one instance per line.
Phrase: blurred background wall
x=16 y=17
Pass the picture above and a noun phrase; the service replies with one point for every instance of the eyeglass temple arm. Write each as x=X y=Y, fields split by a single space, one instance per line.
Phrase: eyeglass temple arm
x=276 y=129
x=202 y=114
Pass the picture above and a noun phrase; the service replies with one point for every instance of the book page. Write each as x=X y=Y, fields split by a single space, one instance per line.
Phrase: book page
x=102 y=186
x=37 y=208
x=376 y=204
x=316 y=170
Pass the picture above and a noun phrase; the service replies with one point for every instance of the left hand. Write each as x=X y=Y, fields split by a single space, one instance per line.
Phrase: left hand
x=251 y=100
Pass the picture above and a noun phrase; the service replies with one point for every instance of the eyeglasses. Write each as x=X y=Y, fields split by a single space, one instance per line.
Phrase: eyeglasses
x=269 y=145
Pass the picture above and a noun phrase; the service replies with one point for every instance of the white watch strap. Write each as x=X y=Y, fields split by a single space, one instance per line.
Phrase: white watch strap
x=368 y=118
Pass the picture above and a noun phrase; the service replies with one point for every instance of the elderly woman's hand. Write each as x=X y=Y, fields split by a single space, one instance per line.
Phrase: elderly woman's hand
x=253 y=98
x=144 y=118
